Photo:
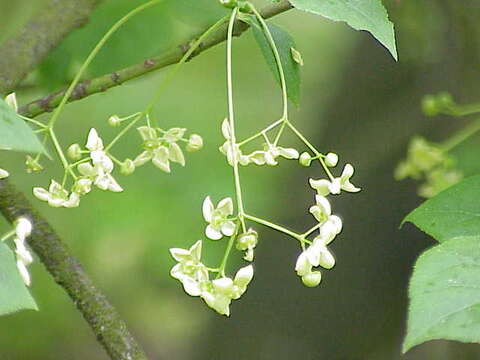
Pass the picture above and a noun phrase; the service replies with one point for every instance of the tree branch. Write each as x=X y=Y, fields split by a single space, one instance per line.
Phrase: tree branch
x=109 y=328
x=105 y=82
x=46 y=29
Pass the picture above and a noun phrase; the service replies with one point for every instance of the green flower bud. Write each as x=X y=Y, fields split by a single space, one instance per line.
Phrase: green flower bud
x=195 y=143
x=32 y=165
x=331 y=159
x=127 y=167
x=247 y=240
x=305 y=159
x=74 y=152
x=312 y=279
x=114 y=120
x=429 y=105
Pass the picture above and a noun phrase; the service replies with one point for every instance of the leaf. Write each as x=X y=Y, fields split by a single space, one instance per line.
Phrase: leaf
x=369 y=15
x=15 y=134
x=284 y=43
x=452 y=213
x=445 y=293
x=14 y=295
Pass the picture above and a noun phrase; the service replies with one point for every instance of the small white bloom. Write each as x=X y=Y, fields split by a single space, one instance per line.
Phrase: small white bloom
x=303 y=265
x=4 y=174
x=243 y=277
x=11 y=101
x=195 y=143
x=322 y=209
x=23 y=228
x=331 y=159
x=343 y=182
x=248 y=241
x=57 y=196
x=217 y=217
x=322 y=186
x=312 y=279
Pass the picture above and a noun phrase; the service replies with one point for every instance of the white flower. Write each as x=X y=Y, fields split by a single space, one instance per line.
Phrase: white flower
x=100 y=169
x=217 y=217
x=312 y=279
x=233 y=153
x=160 y=150
x=189 y=270
x=319 y=255
x=325 y=187
x=57 y=196
x=270 y=155
x=247 y=241
x=322 y=209
x=23 y=229
x=4 y=173
x=11 y=101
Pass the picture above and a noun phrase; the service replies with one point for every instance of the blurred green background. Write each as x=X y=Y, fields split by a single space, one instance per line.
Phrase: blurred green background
x=355 y=101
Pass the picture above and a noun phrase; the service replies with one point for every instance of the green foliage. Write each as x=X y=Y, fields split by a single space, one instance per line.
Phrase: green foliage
x=452 y=213
x=284 y=43
x=15 y=133
x=14 y=295
x=444 y=293
x=369 y=15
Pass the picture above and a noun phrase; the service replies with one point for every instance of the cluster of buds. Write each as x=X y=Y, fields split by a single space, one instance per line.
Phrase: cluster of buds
x=428 y=162
x=161 y=147
x=194 y=276
x=267 y=156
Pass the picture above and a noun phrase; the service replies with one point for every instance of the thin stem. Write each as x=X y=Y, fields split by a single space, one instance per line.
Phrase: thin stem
x=277 y=227
x=8 y=235
x=257 y=135
x=94 y=52
x=123 y=132
x=231 y=117
x=184 y=58
x=311 y=147
x=463 y=110
x=462 y=135
x=59 y=150
x=223 y=264
x=311 y=230
x=38 y=123
x=278 y=60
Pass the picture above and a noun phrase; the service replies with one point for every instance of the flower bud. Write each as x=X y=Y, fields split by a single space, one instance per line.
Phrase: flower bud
x=23 y=228
x=429 y=105
x=32 y=164
x=305 y=159
x=74 y=152
x=127 y=167
x=331 y=159
x=229 y=4
x=312 y=279
x=82 y=186
x=247 y=240
x=195 y=143
x=114 y=120
x=11 y=101
x=4 y=173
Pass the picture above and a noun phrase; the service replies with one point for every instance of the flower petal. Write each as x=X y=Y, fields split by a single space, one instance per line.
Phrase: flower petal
x=228 y=228
x=225 y=206
x=175 y=154
x=212 y=233
x=207 y=209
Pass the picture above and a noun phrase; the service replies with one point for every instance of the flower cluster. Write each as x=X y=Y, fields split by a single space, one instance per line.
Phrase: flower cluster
x=427 y=161
x=161 y=147
x=267 y=156
x=194 y=276
x=96 y=169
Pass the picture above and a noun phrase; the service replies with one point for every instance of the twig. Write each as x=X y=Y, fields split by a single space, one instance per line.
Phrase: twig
x=21 y=53
x=105 y=82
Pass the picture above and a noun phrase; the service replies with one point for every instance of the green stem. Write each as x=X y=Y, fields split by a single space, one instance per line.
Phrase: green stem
x=257 y=135
x=123 y=132
x=311 y=147
x=311 y=230
x=231 y=117
x=277 y=227
x=463 y=110
x=223 y=264
x=462 y=135
x=60 y=153
x=92 y=55
x=7 y=236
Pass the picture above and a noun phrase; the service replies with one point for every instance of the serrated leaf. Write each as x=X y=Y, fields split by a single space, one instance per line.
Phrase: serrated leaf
x=14 y=295
x=284 y=43
x=15 y=134
x=445 y=293
x=452 y=213
x=369 y=15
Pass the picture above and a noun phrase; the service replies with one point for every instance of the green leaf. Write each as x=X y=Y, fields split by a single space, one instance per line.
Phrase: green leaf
x=445 y=293
x=284 y=43
x=369 y=15
x=15 y=134
x=14 y=295
x=452 y=213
